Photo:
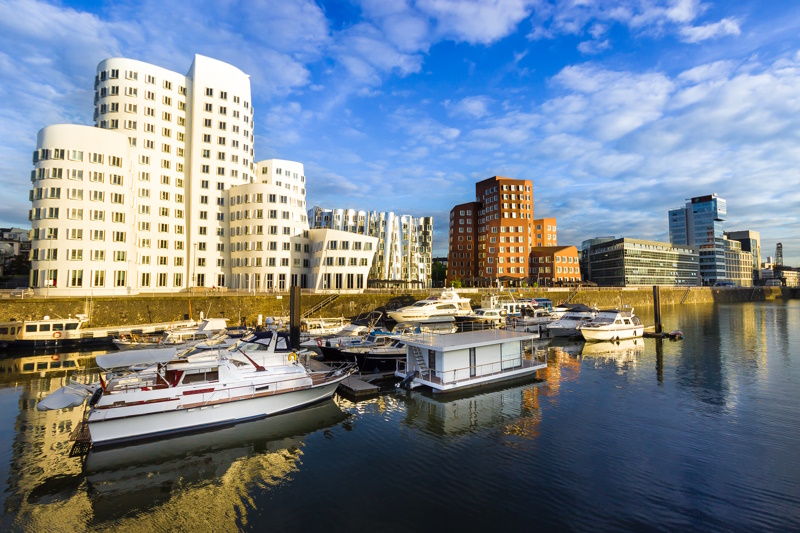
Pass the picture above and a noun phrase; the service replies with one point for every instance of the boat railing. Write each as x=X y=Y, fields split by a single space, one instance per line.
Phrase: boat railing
x=461 y=376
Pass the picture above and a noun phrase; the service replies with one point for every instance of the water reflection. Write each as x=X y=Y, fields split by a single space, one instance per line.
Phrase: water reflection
x=209 y=473
x=513 y=409
x=704 y=431
x=623 y=352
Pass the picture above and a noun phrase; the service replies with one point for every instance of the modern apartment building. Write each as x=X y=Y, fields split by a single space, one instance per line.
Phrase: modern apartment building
x=699 y=224
x=404 y=247
x=494 y=241
x=163 y=193
x=462 y=256
x=545 y=232
x=751 y=243
x=630 y=262
x=555 y=265
x=738 y=263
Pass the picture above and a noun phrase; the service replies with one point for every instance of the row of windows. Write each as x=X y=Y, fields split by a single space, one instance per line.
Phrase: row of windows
x=45 y=154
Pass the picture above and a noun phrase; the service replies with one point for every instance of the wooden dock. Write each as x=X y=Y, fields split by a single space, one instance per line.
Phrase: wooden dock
x=353 y=387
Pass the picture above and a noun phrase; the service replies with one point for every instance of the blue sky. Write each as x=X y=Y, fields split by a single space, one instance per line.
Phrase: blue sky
x=617 y=111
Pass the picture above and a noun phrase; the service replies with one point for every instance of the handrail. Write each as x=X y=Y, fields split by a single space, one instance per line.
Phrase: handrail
x=320 y=305
x=459 y=375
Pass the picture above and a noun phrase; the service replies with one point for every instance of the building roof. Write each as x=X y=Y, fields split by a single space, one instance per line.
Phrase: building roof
x=550 y=249
x=468 y=339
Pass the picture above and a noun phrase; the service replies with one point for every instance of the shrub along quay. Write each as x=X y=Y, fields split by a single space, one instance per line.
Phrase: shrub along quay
x=114 y=311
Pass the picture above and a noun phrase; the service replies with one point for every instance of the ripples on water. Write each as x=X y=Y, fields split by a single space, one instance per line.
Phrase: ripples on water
x=701 y=434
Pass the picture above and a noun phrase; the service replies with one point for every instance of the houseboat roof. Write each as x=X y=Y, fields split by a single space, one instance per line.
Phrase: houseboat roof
x=467 y=339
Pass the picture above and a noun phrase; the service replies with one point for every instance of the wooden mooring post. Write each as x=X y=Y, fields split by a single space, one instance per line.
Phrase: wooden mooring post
x=657 y=309
x=295 y=315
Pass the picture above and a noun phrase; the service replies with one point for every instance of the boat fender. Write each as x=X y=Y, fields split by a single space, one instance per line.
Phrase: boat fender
x=57 y=335
x=95 y=397
x=407 y=380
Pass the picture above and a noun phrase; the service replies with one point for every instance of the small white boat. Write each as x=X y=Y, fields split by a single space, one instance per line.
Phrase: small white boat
x=532 y=320
x=453 y=362
x=356 y=328
x=182 y=337
x=612 y=325
x=512 y=306
x=447 y=303
x=483 y=318
x=150 y=393
x=574 y=316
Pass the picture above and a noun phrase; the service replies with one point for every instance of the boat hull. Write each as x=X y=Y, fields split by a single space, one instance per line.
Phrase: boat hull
x=599 y=334
x=132 y=428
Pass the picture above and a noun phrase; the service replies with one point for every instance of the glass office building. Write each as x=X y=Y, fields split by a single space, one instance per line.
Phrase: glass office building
x=699 y=224
x=629 y=262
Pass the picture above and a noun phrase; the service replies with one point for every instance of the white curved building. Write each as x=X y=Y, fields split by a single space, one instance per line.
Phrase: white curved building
x=267 y=218
x=192 y=136
x=404 y=247
x=82 y=211
x=163 y=194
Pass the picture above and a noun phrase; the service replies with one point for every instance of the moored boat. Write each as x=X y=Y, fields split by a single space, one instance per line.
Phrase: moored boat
x=612 y=325
x=150 y=393
x=574 y=316
x=446 y=303
x=448 y=363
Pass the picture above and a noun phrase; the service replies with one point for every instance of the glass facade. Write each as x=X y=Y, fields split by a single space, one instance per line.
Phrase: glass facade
x=701 y=227
x=629 y=262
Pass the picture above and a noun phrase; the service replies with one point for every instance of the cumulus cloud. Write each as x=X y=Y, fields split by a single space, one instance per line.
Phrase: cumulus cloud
x=471 y=106
x=641 y=17
x=696 y=34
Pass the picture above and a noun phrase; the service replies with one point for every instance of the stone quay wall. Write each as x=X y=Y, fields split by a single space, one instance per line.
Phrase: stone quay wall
x=129 y=310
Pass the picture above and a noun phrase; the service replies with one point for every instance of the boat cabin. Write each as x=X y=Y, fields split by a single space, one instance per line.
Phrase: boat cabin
x=462 y=360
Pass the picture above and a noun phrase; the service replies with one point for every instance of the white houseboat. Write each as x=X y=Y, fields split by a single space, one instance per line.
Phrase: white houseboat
x=461 y=360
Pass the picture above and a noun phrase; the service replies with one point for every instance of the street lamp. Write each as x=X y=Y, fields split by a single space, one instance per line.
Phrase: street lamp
x=194 y=266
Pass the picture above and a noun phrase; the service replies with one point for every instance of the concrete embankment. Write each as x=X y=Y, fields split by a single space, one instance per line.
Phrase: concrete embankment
x=112 y=311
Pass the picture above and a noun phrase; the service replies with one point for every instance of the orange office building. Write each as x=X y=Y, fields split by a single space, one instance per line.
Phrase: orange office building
x=555 y=265
x=500 y=226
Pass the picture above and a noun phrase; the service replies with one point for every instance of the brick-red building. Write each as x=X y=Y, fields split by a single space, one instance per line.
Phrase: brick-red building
x=551 y=265
x=493 y=243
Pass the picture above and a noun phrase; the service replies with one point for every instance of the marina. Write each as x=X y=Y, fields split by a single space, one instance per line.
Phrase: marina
x=703 y=430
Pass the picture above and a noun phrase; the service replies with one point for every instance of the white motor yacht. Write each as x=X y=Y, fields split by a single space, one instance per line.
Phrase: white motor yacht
x=567 y=325
x=612 y=325
x=148 y=393
x=447 y=303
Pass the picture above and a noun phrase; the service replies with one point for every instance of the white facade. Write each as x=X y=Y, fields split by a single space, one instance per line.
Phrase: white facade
x=163 y=194
x=405 y=243
x=82 y=212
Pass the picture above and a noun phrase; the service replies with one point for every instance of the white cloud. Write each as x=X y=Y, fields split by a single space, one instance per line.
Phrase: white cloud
x=471 y=106
x=476 y=21
x=642 y=17
x=593 y=47
x=696 y=34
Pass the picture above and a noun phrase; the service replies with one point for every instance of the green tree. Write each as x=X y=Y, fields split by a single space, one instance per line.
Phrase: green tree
x=438 y=274
x=17 y=265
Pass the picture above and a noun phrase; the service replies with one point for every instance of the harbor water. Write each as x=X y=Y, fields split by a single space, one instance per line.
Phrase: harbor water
x=701 y=434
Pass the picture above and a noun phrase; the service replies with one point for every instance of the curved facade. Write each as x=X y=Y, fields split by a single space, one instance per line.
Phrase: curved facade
x=163 y=194
x=404 y=247
x=269 y=229
x=82 y=208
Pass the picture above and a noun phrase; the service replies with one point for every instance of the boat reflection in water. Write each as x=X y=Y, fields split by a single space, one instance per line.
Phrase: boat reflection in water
x=212 y=473
x=623 y=352
x=512 y=409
